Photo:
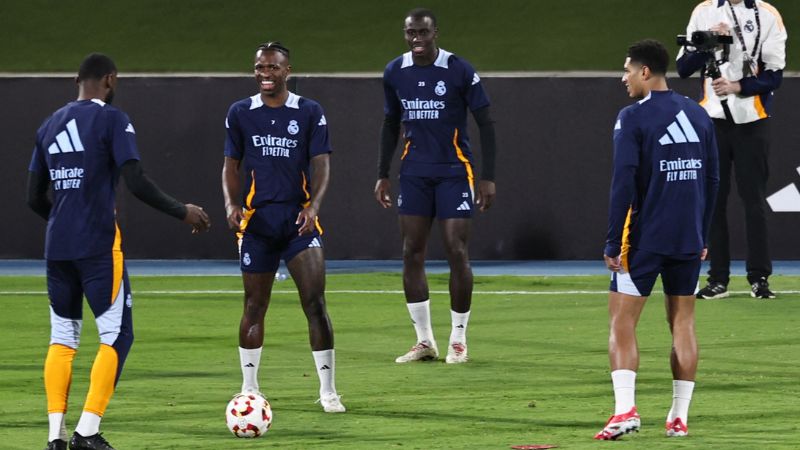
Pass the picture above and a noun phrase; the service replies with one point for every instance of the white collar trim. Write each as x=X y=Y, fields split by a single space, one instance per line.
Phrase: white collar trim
x=293 y=101
x=99 y=102
x=441 y=60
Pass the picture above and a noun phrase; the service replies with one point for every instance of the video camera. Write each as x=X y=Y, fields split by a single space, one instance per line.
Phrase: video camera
x=707 y=42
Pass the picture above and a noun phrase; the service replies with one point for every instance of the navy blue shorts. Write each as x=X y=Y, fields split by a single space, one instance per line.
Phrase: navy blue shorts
x=269 y=234
x=679 y=273
x=440 y=197
x=104 y=282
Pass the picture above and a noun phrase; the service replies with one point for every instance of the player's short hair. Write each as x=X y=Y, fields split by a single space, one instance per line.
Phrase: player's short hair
x=95 y=66
x=650 y=53
x=275 y=46
x=421 y=13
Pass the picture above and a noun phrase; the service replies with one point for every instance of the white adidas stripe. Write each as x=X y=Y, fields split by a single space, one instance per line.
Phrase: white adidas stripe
x=72 y=128
x=67 y=141
x=680 y=131
x=688 y=129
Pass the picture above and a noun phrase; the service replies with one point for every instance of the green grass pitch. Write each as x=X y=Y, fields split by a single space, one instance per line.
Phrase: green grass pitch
x=342 y=36
x=538 y=372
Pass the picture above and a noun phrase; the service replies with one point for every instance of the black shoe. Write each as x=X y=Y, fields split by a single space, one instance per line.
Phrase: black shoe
x=56 y=444
x=714 y=289
x=96 y=442
x=760 y=289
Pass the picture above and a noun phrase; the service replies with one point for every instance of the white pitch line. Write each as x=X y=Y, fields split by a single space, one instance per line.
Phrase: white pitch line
x=335 y=291
x=366 y=292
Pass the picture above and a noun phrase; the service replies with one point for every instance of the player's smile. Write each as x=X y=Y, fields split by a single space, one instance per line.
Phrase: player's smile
x=271 y=70
x=632 y=79
x=267 y=85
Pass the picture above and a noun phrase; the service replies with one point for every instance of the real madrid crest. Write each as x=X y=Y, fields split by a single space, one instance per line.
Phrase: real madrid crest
x=293 y=128
x=749 y=27
x=440 y=88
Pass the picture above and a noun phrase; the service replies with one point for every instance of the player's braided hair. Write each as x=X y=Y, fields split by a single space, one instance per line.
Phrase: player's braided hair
x=274 y=46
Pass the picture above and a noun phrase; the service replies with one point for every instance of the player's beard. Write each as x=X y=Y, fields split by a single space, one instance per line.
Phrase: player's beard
x=110 y=96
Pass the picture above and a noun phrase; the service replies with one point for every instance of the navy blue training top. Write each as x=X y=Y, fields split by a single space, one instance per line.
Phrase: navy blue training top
x=82 y=146
x=432 y=101
x=666 y=177
x=277 y=145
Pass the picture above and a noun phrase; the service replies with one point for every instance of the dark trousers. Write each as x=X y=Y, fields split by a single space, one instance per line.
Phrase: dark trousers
x=745 y=147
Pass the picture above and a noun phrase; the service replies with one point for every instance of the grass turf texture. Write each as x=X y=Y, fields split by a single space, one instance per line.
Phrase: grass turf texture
x=538 y=371
x=342 y=36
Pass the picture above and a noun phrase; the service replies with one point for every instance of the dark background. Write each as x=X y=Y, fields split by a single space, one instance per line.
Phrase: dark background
x=553 y=169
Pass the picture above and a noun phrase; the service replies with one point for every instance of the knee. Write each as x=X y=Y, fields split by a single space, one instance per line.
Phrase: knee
x=619 y=326
x=66 y=332
x=255 y=306
x=457 y=252
x=314 y=307
x=413 y=252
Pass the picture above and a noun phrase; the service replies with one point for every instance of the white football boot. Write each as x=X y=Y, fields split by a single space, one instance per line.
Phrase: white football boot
x=421 y=351
x=331 y=402
x=456 y=353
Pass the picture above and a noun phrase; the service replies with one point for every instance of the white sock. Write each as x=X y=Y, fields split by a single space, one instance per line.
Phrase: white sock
x=250 y=359
x=421 y=317
x=326 y=369
x=624 y=382
x=89 y=424
x=681 y=397
x=459 y=331
x=58 y=427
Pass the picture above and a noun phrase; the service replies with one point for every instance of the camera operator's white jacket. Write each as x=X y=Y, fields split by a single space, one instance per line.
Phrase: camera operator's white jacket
x=753 y=103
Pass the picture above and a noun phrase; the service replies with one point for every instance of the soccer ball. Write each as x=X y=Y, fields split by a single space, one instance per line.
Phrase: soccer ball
x=248 y=415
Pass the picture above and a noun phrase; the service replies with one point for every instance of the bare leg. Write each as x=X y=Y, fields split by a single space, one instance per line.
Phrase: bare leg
x=308 y=272
x=415 y=231
x=624 y=311
x=680 y=315
x=623 y=354
x=455 y=233
x=257 y=290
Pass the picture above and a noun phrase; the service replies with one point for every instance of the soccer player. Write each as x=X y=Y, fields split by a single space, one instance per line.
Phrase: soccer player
x=281 y=139
x=662 y=195
x=81 y=151
x=429 y=89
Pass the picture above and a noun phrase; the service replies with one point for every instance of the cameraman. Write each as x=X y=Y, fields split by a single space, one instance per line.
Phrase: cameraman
x=739 y=102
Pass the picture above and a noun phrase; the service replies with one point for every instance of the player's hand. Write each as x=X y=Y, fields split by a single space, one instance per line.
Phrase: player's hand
x=614 y=264
x=235 y=216
x=307 y=219
x=197 y=218
x=383 y=192
x=722 y=87
x=486 y=194
x=704 y=254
